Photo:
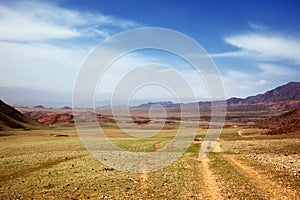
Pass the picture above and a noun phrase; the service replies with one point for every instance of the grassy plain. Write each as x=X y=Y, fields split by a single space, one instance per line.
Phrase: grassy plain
x=54 y=164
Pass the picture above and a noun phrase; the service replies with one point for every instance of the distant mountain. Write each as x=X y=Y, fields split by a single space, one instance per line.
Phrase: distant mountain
x=284 y=97
x=165 y=104
x=39 y=106
x=67 y=108
x=11 y=118
x=288 y=92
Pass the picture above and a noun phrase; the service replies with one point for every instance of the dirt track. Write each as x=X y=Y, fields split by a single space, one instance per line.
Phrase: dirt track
x=274 y=190
x=271 y=190
x=209 y=180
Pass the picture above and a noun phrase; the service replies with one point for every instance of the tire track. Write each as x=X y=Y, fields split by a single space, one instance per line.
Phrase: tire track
x=241 y=133
x=211 y=187
x=273 y=189
x=144 y=181
x=144 y=184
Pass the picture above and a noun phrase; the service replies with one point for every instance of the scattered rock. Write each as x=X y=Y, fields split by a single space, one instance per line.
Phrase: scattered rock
x=108 y=169
x=49 y=186
x=59 y=135
x=128 y=188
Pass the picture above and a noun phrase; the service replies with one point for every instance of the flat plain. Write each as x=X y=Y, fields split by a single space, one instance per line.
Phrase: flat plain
x=245 y=164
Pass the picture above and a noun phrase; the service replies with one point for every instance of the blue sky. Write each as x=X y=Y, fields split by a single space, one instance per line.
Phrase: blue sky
x=255 y=44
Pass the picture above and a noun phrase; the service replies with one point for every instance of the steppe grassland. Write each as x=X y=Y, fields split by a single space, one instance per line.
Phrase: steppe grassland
x=54 y=164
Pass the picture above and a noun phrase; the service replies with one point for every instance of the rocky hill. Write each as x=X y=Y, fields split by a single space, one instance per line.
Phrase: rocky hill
x=50 y=118
x=11 y=118
x=285 y=123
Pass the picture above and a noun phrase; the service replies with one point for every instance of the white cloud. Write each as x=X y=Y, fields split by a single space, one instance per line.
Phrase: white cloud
x=275 y=59
x=39 y=21
x=277 y=70
x=267 y=46
x=239 y=53
x=39 y=66
x=264 y=45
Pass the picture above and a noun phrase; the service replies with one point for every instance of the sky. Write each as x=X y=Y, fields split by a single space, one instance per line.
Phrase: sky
x=255 y=45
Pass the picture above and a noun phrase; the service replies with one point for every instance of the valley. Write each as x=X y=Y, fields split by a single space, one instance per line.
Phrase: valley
x=257 y=155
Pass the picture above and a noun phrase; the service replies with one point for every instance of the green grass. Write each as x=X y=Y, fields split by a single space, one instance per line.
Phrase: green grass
x=36 y=164
x=44 y=166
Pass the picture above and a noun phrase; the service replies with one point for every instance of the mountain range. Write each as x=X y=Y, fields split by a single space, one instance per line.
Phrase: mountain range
x=290 y=92
x=284 y=97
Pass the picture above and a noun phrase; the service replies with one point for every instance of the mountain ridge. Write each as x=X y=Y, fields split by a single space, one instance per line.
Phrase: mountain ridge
x=285 y=97
x=10 y=118
x=289 y=91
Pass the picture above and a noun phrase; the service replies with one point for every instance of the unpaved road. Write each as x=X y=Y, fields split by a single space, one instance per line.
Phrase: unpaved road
x=240 y=133
x=209 y=180
x=213 y=191
x=274 y=190
x=271 y=189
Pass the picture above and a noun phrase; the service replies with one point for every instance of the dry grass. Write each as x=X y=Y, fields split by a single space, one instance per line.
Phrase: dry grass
x=37 y=164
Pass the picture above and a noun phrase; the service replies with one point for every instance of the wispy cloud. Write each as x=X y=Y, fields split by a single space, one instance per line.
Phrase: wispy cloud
x=258 y=27
x=18 y=22
x=267 y=46
x=274 y=57
x=39 y=21
x=42 y=45
x=261 y=43
x=269 y=77
x=277 y=70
